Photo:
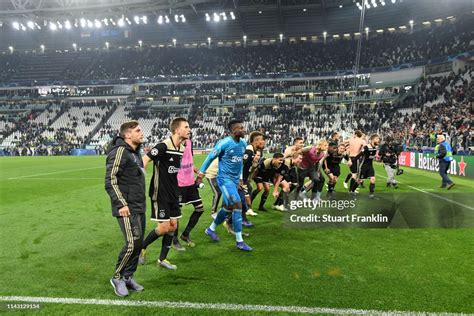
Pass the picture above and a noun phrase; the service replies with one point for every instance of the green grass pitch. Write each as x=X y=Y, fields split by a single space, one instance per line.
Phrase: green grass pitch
x=60 y=240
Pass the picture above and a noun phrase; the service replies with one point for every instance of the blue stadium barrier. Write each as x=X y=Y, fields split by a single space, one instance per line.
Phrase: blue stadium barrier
x=83 y=152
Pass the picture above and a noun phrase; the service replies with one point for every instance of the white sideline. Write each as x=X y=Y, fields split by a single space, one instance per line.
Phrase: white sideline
x=57 y=172
x=75 y=179
x=432 y=194
x=217 y=306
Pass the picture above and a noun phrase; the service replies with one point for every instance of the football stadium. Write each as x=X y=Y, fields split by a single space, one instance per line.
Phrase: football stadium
x=237 y=157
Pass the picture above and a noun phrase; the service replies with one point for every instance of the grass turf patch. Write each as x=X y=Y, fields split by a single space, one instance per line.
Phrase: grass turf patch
x=60 y=240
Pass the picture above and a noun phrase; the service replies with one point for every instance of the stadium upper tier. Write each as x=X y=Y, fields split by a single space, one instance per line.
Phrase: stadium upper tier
x=378 y=50
x=437 y=104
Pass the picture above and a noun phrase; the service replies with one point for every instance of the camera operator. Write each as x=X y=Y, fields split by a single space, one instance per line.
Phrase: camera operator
x=389 y=155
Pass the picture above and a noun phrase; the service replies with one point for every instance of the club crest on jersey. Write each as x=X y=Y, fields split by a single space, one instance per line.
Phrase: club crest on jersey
x=154 y=152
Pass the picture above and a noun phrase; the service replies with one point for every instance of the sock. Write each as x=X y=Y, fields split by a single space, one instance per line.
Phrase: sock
x=237 y=224
x=151 y=237
x=372 y=188
x=193 y=220
x=244 y=211
x=279 y=199
x=263 y=200
x=175 y=234
x=286 y=199
x=353 y=186
x=245 y=208
x=330 y=187
x=253 y=195
x=166 y=245
x=349 y=176
x=220 y=218
x=238 y=237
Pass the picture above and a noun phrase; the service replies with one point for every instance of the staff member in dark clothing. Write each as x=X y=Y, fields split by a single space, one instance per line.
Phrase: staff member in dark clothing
x=444 y=153
x=125 y=184
x=388 y=154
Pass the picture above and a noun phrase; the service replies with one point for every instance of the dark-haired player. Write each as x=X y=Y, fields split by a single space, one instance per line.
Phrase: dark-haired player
x=252 y=157
x=230 y=152
x=298 y=144
x=287 y=179
x=124 y=174
x=332 y=165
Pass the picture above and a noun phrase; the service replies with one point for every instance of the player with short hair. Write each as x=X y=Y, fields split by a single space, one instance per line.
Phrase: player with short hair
x=298 y=144
x=355 y=146
x=125 y=184
x=164 y=190
x=365 y=165
x=332 y=165
x=230 y=152
x=313 y=157
x=334 y=138
x=252 y=157
x=287 y=179
x=266 y=172
x=189 y=194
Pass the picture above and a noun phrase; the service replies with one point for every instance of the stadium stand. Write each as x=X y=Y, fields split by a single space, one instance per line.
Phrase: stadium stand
x=441 y=103
x=380 y=50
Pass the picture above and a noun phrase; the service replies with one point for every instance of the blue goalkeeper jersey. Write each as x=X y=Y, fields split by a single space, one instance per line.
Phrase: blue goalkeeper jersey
x=230 y=154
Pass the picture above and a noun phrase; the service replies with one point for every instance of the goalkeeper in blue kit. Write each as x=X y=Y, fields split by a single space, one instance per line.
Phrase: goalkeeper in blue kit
x=230 y=152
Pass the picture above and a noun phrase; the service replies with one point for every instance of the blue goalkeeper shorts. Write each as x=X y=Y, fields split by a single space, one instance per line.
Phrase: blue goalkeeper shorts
x=229 y=191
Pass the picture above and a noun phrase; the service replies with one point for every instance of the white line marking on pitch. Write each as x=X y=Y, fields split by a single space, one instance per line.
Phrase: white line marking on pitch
x=57 y=172
x=217 y=306
x=75 y=179
x=432 y=194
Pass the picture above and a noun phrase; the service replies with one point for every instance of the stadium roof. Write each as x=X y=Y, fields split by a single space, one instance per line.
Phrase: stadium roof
x=89 y=23
x=49 y=8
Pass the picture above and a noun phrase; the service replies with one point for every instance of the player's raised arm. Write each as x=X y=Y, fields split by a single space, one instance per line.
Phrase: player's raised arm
x=306 y=149
x=215 y=152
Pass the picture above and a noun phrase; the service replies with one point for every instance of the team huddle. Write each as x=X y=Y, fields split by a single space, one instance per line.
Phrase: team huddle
x=237 y=173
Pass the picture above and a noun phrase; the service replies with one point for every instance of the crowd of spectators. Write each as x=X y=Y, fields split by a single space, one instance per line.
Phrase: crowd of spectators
x=33 y=137
x=383 y=50
x=389 y=48
x=439 y=104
